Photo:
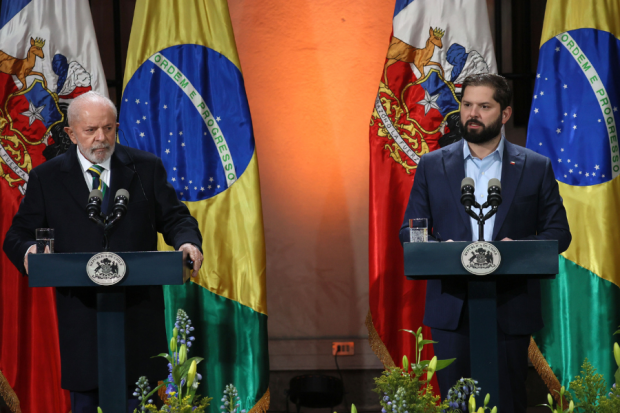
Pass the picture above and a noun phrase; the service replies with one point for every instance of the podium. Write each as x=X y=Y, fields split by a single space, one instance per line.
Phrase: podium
x=142 y=269
x=519 y=259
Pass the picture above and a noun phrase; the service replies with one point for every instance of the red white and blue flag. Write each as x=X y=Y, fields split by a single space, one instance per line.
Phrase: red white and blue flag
x=434 y=45
x=48 y=56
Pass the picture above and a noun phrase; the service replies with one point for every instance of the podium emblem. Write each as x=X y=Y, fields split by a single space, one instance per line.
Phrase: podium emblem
x=480 y=258
x=106 y=268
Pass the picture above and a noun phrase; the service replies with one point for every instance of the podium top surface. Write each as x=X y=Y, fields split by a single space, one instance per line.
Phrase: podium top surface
x=440 y=260
x=69 y=270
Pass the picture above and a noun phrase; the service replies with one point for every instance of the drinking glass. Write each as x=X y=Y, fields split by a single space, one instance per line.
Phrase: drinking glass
x=45 y=238
x=418 y=230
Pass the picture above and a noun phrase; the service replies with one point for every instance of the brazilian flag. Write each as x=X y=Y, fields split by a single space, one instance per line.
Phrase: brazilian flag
x=574 y=121
x=184 y=100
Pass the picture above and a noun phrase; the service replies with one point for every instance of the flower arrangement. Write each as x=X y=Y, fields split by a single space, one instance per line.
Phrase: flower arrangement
x=182 y=381
x=180 y=395
x=405 y=390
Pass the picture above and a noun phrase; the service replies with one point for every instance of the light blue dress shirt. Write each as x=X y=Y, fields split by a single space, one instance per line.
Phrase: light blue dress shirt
x=482 y=171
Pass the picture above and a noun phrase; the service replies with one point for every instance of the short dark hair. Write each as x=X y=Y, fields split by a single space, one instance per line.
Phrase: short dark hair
x=502 y=93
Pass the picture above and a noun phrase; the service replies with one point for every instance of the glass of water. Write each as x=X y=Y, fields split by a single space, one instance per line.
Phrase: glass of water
x=418 y=230
x=45 y=238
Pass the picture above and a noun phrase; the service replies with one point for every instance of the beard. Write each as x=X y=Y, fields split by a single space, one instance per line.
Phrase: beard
x=484 y=134
x=94 y=155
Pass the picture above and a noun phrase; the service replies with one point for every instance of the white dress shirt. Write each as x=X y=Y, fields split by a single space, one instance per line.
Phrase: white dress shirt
x=482 y=171
x=105 y=175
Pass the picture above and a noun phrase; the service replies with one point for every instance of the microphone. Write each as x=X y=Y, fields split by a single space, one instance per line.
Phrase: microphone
x=495 y=193
x=467 y=192
x=121 y=199
x=94 y=203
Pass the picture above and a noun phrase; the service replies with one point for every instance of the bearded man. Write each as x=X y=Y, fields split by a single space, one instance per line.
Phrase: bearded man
x=56 y=197
x=532 y=209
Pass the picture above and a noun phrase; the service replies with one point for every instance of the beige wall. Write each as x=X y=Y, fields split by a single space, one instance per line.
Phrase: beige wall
x=312 y=70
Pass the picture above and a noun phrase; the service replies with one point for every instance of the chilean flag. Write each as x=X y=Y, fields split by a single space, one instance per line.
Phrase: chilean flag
x=48 y=56
x=434 y=46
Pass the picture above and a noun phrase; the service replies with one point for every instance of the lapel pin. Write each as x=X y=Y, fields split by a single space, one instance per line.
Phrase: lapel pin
x=512 y=163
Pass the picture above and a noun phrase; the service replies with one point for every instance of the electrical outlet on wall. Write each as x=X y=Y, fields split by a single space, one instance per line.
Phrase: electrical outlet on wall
x=343 y=348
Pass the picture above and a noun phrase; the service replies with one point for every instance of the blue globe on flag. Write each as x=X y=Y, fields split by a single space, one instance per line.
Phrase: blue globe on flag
x=187 y=104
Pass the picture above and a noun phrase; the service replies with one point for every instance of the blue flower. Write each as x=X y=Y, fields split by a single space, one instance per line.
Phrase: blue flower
x=463 y=406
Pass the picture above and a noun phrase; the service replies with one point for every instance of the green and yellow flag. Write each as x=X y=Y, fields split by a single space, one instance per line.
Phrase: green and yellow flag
x=574 y=122
x=184 y=100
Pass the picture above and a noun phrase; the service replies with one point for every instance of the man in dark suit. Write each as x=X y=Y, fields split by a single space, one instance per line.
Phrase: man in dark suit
x=56 y=198
x=531 y=209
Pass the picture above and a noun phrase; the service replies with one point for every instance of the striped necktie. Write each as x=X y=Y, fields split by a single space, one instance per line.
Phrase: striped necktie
x=96 y=171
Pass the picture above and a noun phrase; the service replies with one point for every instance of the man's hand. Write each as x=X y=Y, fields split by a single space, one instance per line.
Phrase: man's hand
x=33 y=250
x=195 y=255
x=507 y=239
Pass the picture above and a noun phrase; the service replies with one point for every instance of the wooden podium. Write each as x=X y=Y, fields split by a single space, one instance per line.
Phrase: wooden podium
x=143 y=268
x=519 y=259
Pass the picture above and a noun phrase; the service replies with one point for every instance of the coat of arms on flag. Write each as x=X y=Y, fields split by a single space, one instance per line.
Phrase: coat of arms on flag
x=416 y=109
x=33 y=111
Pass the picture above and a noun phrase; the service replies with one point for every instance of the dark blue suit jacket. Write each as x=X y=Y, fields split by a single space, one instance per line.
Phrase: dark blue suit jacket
x=531 y=209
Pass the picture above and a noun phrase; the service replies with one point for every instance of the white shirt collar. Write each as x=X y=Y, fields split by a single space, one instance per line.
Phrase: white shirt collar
x=499 y=150
x=87 y=164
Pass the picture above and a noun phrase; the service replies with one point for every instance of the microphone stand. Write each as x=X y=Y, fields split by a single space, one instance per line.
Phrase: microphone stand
x=106 y=223
x=481 y=218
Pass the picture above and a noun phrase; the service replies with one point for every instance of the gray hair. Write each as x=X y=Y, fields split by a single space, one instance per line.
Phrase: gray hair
x=73 y=112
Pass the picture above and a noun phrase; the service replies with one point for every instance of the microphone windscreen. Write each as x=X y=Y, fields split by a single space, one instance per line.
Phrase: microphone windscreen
x=96 y=193
x=467 y=181
x=122 y=192
x=495 y=182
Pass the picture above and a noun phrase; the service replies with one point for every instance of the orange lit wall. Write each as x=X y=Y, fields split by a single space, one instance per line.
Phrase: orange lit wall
x=312 y=70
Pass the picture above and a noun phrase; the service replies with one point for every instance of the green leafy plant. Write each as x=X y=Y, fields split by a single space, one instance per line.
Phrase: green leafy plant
x=471 y=405
x=588 y=388
x=408 y=389
x=419 y=365
x=564 y=395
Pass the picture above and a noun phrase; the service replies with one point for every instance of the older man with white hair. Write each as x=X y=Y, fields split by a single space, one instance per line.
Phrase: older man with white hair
x=56 y=198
